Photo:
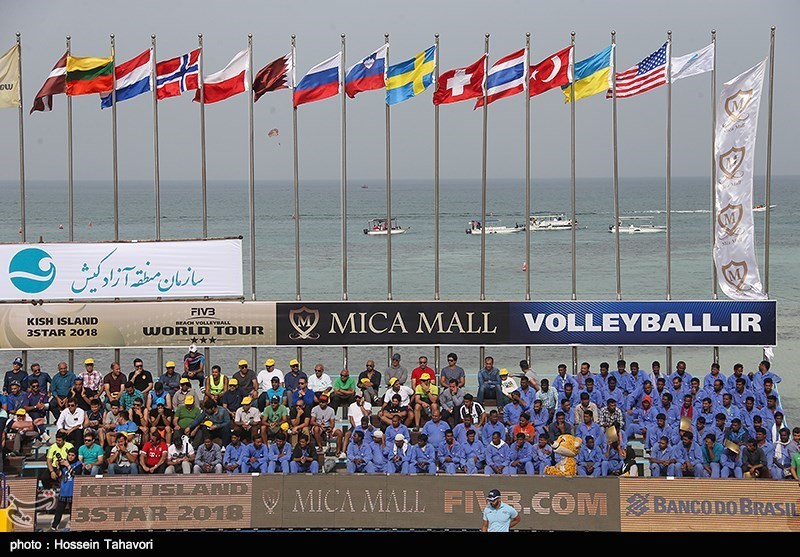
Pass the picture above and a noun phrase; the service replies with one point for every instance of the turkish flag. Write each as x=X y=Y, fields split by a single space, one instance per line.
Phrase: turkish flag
x=461 y=84
x=552 y=72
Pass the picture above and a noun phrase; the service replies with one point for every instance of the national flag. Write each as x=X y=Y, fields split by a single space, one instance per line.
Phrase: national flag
x=55 y=84
x=552 y=72
x=591 y=75
x=506 y=78
x=278 y=74
x=321 y=82
x=176 y=75
x=9 y=79
x=461 y=84
x=369 y=74
x=410 y=78
x=694 y=63
x=229 y=81
x=644 y=76
x=133 y=78
x=87 y=75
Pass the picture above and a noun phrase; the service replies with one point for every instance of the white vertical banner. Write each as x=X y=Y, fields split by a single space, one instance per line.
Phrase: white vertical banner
x=734 y=150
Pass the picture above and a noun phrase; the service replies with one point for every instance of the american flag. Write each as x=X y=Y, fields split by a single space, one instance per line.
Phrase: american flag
x=647 y=74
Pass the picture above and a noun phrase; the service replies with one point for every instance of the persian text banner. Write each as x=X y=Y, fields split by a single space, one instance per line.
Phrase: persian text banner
x=124 y=270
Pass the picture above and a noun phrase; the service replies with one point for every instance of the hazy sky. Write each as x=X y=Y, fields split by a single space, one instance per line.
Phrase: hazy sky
x=743 y=30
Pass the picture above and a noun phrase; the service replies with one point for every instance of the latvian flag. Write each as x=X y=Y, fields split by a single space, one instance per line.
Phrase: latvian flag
x=55 y=84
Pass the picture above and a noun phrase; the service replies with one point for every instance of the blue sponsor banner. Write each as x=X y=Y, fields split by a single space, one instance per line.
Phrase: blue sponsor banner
x=651 y=323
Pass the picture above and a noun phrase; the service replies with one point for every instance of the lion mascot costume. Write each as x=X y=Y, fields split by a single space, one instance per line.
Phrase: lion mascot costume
x=567 y=447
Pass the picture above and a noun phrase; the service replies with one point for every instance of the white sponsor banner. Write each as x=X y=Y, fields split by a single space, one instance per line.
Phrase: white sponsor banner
x=125 y=270
x=737 y=122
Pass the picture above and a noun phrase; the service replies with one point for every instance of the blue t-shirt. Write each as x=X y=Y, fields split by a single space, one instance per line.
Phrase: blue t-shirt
x=500 y=518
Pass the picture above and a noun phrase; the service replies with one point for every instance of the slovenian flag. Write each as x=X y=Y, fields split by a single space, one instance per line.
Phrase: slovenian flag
x=321 y=82
x=368 y=75
x=133 y=78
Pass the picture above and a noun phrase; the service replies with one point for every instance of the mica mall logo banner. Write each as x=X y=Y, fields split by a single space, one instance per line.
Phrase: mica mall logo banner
x=121 y=270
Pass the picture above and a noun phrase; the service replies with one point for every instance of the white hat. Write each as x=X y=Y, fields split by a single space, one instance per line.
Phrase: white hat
x=193 y=348
x=378 y=434
x=399 y=437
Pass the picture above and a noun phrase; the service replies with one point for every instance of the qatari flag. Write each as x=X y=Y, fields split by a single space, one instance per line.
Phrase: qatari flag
x=275 y=75
x=55 y=84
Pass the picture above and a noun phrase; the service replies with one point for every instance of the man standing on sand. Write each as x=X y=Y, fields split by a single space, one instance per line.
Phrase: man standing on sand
x=498 y=516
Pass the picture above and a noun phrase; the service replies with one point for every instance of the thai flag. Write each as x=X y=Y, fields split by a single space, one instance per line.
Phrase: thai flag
x=176 y=75
x=506 y=77
x=321 y=81
x=369 y=74
x=133 y=78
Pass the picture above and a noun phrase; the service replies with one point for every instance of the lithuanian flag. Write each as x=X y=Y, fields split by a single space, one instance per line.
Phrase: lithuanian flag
x=89 y=75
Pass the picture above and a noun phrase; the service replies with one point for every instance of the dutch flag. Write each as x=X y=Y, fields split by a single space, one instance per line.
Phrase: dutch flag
x=133 y=78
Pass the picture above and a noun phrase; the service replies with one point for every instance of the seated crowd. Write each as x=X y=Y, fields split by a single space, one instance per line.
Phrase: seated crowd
x=423 y=422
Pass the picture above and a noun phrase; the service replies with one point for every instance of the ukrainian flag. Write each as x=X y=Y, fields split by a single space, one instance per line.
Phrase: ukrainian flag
x=592 y=75
x=410 y=78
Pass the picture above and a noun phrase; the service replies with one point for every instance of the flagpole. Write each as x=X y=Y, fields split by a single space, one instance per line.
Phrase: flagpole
x=527 y=177
x=252 y=189
x=156 y=174
x=768 y=180
x=344 y=184
x=436 y=216
x=70 y=191
x=483 y=183
x=615 y=165
x=388 y=126
x=572 y=191
x=715 y=353
x=668 y=77
x=296 y=190
x=21 y=145
x=114 y=136
x=203 y=175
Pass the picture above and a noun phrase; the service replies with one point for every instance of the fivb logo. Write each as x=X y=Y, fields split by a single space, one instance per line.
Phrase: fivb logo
x=304 y=320
x=735 y=273
x=730 y=217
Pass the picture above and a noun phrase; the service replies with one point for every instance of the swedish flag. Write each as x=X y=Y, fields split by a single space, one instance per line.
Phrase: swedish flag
x=410 y=78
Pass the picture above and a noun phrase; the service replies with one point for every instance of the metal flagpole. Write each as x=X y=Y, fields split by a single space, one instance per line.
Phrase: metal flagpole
x=527 y=177
x=388 y=121
x=768 y=180
x=572 y=190
x=70 y=183
x=21 y=163
x=296 y=194
x=114 y=151
x=344 y=184
x=620 y=349
x=252 y=189
x=483 y=185
x=203 y=175
x=156 y=175
x=668 y=76
x=437 y=352
x=715 y=354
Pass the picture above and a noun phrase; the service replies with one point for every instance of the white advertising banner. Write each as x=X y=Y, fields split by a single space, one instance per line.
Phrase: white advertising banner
x=124 y=270
x=734 y=150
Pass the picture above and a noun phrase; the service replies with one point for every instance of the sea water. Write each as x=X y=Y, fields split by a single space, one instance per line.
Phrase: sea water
x=643 y=256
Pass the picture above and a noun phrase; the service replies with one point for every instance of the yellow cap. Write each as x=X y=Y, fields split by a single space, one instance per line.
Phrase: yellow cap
x=269 y=362
x=208 y=423
x=189 y=399
x=504 y=371
x=233 y=381
x=21 y=412
x=242 y=362
x=365 y=380
x=392 y=381
x=247 y=400
x=425 y=376
x=88 y=361
x=294 y=363
x=185 y=380
x=285 y=426
x=170 y=364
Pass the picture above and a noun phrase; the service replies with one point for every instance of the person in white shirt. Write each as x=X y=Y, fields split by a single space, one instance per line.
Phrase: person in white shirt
x=358 y=409
x=395 y=387
x=180 y=455
x=248 y=419
x=265 y=375
x=72 y=421
x=320 y=382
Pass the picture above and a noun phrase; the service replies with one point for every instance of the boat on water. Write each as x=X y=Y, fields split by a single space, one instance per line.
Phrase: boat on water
x=377 y=227
x=492 y=226
x=637 y=225
x=544 y=223
x=762 y=208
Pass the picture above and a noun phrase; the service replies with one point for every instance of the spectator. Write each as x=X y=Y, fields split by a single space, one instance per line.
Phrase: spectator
x=450 y=402
x=369 y=381
x=474 y=452
x=170 y=379
x=754 y=461
x=159 y=395
x=395 y=370
x=124 y=457
x=359 y=455
x=141 y=378
x=113 y=383
x=185 y=390
x=450 y=454
x=272 y=418
x=303 y=458
x=107 y=432
x=235 y=454
x=213 y=421
x=194 y=364
x=292 y=379
x=474 y=408
x=452 y=371
x=320 y=382
x=232 y=398
x=520 y=455
x=323 y=426
x=256 y=457
x=153 y=456
x=208 y=459
x=488 y=381
x=397 y=455
x=344 y=392
x=248 y=419
x=497 y=459
x=45 y=381
x=397 y=427
x=180 y=455
x=425 y=401
x=265 y=376
x=128 y=395
x=91 y=455
x=16 y=373
x=275 y=389
x=279 y=455
x=71 y=423
x=60 y=387
x=81 y=394
x=215 y=385
x=422 y=457
x=589 y=458
x=299 y=421
x=92 y=379
x=57 y=452
x=20 y=427
x=246 y=379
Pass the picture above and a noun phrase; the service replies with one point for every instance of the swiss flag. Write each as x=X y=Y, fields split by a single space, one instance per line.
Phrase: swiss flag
x=552 y=72
x=461 y=84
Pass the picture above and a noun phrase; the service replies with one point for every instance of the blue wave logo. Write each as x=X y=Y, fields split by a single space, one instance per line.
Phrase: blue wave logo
x=32 y=270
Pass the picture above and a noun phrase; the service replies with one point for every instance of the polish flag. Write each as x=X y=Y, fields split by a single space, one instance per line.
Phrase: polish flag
x=231 y=80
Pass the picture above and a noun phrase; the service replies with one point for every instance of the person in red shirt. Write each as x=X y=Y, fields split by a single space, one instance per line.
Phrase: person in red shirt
x=525 y=426
x=153 y=456
x=418 y=371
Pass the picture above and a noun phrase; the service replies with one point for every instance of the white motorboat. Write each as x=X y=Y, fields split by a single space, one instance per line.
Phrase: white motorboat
x=762 y=208
x=543 y=223
x=377 y=227
x=637 y=225
x=492 y=226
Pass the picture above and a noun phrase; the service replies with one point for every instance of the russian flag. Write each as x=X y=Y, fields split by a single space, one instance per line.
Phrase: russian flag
x=133 y=78
x=321 y=81
x=506 y=77
x=369 y=74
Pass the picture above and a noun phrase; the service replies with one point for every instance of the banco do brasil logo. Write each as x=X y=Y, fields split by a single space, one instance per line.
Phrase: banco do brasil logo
x=32 y=270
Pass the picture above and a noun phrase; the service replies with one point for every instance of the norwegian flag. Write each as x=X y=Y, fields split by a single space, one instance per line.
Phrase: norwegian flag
x=176 y=75
x=647 y=74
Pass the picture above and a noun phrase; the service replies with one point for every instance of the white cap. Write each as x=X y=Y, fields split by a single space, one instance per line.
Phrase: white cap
x=193 y=348
x=378 y=433
x=399 y=437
